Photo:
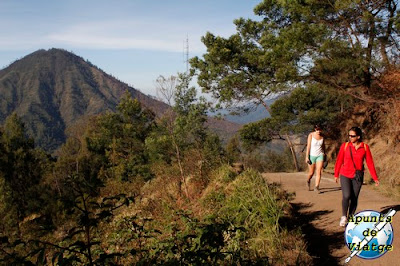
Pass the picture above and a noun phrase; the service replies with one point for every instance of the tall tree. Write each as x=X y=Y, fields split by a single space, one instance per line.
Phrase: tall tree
x=341 y=43
x=21 y=168
x=120 y=138
x=338 y=45
x=296 y=112
x=185 y=123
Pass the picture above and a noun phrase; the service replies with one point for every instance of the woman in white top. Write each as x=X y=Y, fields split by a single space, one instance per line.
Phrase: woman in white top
x=315 y=156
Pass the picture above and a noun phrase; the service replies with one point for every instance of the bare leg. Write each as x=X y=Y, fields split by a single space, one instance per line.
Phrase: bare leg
x=311 y=169
x=319 y=165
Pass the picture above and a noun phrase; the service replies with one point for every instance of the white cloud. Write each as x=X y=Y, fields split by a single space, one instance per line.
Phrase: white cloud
x=123 y=25
x=161 y=35
x=22 y=42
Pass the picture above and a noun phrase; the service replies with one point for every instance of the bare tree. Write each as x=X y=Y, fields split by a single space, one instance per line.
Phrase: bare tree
x=165 y=89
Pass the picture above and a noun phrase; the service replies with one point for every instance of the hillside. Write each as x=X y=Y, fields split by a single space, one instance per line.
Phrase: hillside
x=247 y=114
x=53 y=90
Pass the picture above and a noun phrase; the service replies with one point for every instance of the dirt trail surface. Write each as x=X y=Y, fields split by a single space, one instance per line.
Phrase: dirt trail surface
x=319 y=215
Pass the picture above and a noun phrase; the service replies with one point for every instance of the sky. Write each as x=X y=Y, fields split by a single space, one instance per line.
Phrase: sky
x=134 y=40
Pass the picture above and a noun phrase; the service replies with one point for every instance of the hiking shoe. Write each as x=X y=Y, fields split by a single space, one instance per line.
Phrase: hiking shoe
x=316 y=189
x=309 y=185
x=343 y=221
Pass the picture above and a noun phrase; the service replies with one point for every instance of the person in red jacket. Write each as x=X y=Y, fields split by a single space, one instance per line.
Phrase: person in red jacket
x=351 y=157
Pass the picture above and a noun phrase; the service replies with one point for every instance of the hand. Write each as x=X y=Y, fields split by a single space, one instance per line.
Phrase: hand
x=376 y=183
x=336 y=179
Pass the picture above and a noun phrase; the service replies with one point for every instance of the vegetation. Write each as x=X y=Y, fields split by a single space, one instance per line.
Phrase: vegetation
x=133 y=188
x=330 y=56
x=114 y=197
x=55 y=92
x=341 y=45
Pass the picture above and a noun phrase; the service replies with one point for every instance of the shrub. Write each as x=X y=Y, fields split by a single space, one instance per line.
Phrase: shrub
x=270 y=161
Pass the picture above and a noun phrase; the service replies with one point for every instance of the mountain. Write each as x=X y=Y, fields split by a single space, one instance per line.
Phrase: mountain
x=246 y=114
x=54 y=90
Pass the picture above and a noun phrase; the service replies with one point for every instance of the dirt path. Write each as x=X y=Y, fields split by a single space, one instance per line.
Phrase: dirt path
x=319 y=216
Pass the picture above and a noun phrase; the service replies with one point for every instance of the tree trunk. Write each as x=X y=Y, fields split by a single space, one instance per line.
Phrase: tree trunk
x=384 y=55
x=371 y=40
x=289 y=142
x=293 y=152
x=385 y=39
x=261 y=100
x=182 y=180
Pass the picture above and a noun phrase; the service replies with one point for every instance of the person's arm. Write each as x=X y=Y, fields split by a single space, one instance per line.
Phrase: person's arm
x=370 y=163
x=339 y=162
x=325 y=160
x=308 y=147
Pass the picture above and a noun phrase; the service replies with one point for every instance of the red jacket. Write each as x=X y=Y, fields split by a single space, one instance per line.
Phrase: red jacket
x=345 y=166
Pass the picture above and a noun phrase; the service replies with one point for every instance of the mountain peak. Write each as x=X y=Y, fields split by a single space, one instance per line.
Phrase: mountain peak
x=52 y=90
x=55 y=90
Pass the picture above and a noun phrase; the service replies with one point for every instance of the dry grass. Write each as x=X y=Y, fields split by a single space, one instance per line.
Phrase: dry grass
x=381 y=126
x=160 y=201
x=386 y=163
x=385 y=151
x=264 y=237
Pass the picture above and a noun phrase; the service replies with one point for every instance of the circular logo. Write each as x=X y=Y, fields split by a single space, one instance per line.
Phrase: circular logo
x=370 y=234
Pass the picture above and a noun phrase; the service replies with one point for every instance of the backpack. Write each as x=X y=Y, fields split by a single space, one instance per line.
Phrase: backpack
x=347 y=143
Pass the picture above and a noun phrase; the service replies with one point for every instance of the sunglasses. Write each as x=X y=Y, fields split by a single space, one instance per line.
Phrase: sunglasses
x=352 y=136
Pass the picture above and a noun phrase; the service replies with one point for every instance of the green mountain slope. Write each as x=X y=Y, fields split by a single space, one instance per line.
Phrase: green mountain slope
x=55 y=90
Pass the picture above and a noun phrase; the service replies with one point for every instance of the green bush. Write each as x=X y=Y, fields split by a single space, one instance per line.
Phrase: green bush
x=214 y=199
x=254 y=209
x=269 y=161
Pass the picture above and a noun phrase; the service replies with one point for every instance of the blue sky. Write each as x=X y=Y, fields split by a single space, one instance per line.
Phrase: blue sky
x=135 y=41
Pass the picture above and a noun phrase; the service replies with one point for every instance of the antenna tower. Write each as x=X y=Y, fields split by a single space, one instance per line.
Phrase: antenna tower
x=186 y=54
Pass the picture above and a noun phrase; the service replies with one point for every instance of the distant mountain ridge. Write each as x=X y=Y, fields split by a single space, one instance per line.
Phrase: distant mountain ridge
x=247 y=114
x=53 y=90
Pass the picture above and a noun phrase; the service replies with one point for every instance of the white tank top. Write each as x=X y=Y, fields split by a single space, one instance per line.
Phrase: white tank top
x=316 y=147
